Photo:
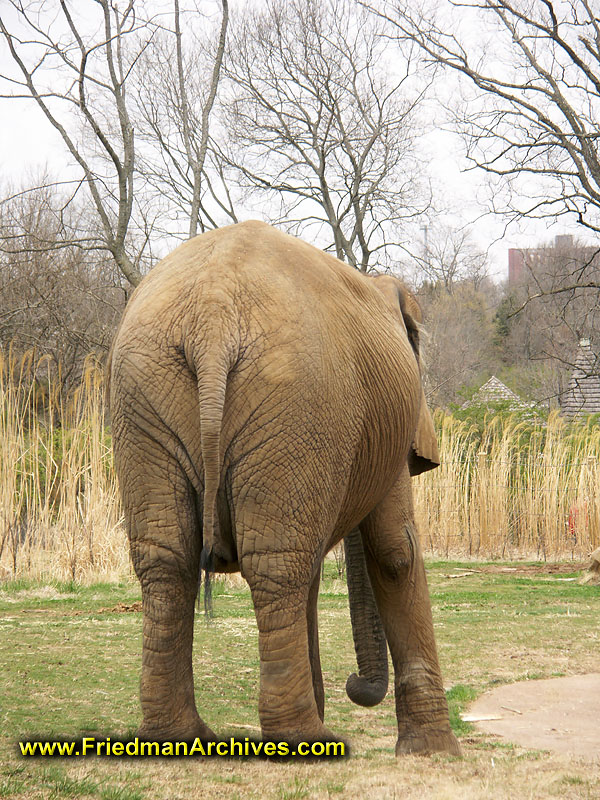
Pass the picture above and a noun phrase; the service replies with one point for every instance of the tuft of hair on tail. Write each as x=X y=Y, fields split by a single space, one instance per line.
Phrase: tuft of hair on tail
x=205 y=578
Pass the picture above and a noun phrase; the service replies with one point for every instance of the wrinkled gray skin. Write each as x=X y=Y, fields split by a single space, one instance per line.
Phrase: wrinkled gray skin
x=266 y=402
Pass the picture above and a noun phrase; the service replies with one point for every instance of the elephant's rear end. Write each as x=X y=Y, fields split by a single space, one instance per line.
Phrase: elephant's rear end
x=223 y=429
x=255 y=364
x=264 y=400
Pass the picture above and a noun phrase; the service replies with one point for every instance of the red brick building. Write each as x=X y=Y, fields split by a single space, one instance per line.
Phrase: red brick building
x=525 y=261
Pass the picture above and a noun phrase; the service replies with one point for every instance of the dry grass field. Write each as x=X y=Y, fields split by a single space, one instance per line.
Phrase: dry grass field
x=70 y=635
x=70 y=661
x=59 y=507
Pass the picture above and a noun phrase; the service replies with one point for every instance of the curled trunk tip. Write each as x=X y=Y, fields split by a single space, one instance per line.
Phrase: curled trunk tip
x=364 y=692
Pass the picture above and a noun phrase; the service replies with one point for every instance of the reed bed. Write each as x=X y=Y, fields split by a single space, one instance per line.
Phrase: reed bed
x=508 y=488
x=59 y=510
x=512 y=488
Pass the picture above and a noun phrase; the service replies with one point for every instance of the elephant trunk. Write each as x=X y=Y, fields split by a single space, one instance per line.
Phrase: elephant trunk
x=369 y=687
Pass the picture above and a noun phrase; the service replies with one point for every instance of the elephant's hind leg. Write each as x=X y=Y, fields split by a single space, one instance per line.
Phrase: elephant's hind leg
x=399 y=583
x=280 y=581
x=165 y=547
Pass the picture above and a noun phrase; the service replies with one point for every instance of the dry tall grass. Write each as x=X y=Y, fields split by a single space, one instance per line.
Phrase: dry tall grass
x=59 y=509
x=516 y=490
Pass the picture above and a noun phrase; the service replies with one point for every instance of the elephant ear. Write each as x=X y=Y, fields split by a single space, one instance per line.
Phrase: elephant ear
x=424 y=453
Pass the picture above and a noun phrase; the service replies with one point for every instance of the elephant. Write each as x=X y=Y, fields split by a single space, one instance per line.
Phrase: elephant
x=266 y=403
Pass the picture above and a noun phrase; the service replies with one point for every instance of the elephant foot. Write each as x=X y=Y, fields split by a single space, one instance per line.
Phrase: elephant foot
x=314 y=733
x=426 y=742
x=176 y=733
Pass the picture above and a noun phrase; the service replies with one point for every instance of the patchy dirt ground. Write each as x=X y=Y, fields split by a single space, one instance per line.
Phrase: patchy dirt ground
x=559 y=714
x=522 y=569
x=534 y=569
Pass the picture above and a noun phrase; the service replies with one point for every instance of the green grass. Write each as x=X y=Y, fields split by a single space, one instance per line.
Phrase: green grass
x=65 y=595
x=68 y=668
x=53 y=781
x=296 y=790
x=459 y=698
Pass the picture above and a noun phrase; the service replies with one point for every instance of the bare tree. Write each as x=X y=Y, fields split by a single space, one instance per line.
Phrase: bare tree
x=449 y=256
x=457 y=338
x=55 y=299
x=321 y=122
x=534 y=72
x=174 y=107
x=75 y=64
x=529 y=73
x=110 y=77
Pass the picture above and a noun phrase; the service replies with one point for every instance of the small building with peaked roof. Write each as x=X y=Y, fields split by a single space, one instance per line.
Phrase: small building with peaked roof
x=582 y=395
x=494 y=391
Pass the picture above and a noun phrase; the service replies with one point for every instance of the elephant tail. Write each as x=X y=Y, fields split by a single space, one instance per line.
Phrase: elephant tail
x=213 y=368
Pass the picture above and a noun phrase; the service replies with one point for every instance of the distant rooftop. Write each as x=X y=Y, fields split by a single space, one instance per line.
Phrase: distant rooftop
x=494 y=391
x=583 y=392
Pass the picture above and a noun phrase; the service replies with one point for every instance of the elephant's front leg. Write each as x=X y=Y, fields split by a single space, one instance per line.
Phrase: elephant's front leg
x=313 y=645
x=288 y=709
x=399 y=583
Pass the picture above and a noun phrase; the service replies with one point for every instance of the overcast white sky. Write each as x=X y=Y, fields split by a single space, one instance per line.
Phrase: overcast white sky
x=28 y=143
